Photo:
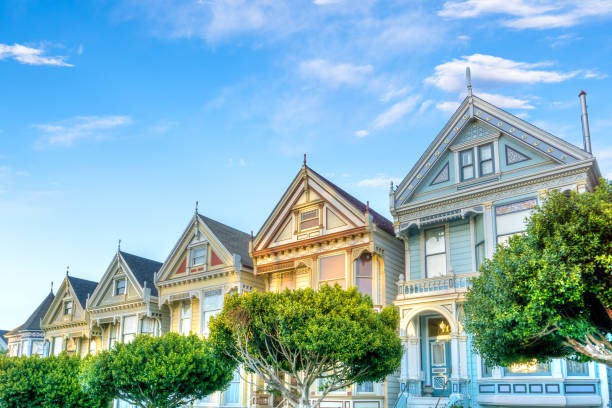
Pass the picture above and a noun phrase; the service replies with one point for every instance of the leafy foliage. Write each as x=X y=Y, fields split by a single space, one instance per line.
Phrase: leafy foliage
x=48 y=382
x=294 y=338
x=161 y=372
x=549 y=292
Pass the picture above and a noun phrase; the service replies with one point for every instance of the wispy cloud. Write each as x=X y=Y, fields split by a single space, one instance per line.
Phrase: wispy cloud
x=396 y=112
x=530 y=14
x=31 y=56
x=335 y=74
x=362 y=133
x=66 y=132
x=378 y=182
x=491 y=70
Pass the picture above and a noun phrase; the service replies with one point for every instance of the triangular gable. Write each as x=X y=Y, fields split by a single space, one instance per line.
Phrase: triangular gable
x=309 y=191
x=197 y=232
x=66 y=291
x=474 y=109
x=117 y=266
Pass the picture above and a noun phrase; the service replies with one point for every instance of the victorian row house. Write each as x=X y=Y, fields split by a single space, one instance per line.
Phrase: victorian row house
x=471 y=190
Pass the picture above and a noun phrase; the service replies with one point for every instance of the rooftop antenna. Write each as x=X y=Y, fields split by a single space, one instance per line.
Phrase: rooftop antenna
x=586 y=134
x=468 y=78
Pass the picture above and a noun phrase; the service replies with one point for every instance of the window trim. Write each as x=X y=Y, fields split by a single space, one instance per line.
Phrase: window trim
x=462 y=166
x=305 y=210
x=115 y=285
x=65 y=303
x=372 y=272
x=203 y=327
x=182 y=318
x=480 y=161
x=495 y=215
x=574 y=374
x=192 y=250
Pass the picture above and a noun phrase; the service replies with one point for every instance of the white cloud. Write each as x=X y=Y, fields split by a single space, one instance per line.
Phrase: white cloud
x=31 y=56
x=424 y=106
x=362 y=133
x=492 y=70
x=66 y=132
x=396 y=112
x=393 y=93
x=326 y=2
x=378 y=182
x=505 y=102
x=335 y=74
x=464 y=38
x=530 y=14
x=447 y=106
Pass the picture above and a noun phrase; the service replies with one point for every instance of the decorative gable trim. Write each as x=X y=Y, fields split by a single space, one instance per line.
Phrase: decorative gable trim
x=118 y=264
x=442 y=176
x=513 y=156
x=474 y=108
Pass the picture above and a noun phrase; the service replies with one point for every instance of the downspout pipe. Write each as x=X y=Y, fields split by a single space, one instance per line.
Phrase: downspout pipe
x=586 y=134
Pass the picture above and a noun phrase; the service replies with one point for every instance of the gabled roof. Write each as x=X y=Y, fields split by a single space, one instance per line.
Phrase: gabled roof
x=82 y=289
x=380 y=221
x=144 y=270
x=473 y=108
x=33 y=322
x=235 y=241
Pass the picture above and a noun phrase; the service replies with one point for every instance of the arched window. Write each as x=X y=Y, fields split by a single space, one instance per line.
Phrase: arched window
x=363 y=272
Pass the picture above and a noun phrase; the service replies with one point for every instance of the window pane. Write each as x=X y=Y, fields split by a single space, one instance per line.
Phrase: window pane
x=213 y=300
x=486 y=370
x=512 y=222
x=438 y=357
x=309 y=219
x=486 y=152
x=480 y=254
x=467 y=157
x=577 y=368
x=57 y=346
x=364 y=273
x=332 y=267
x=436 y=265
x=287 y=279
x=130 y=324
x=467 y=172
x=38 y=348
x=232 y=394
x=367 y=386
x=486 y=167
x=198 y=256
x=479 y=228
x=434 y=241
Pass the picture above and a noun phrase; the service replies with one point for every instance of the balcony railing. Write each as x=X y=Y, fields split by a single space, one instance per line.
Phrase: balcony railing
x=435 y=286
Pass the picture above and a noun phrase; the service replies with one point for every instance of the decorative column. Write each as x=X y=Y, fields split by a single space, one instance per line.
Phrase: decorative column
x=488 y=229
x=463 y=356
x=455 y=374
x=414 y=366
x=404 y=365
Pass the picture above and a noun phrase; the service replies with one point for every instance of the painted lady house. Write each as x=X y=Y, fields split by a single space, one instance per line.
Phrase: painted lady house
x=470 y=191
x=125 y=302
x=209 y=260
x=28 y=338
x=66 y=323
x=318 y=234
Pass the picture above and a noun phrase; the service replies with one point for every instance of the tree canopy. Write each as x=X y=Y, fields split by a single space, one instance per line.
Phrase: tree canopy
x=297 y=340
x=160 y=372
x=48 y=382
x=549 y=292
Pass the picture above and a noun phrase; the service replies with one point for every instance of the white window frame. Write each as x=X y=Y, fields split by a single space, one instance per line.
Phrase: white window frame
x=116 y=286
x=511 y=234
x=42 y=347
x=124 y=333
x=183 y=317
x=210 y=312
x=64 y=304
x=58 y=340
x=235 y=381
x=426 y=255
x=307 y=210
x=479 y=149
x=462 y=165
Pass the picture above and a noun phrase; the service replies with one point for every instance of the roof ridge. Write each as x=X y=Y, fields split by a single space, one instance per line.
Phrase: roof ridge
x=223 y=224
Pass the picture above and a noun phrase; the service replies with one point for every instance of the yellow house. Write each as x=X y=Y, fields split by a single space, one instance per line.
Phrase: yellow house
x=209 y=261
x=66 y=323
x=318 y=234
x=125 y=302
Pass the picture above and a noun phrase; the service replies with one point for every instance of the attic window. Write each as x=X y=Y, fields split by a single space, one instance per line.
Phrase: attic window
x=198 y=256
x=120 y=287
x=68 y=308
x=309 y=219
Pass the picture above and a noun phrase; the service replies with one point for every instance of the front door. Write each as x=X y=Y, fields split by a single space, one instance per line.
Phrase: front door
x=439 y=366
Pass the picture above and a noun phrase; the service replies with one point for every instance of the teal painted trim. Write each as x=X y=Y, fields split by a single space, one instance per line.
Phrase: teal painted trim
x=534 y=156
x=414 y=240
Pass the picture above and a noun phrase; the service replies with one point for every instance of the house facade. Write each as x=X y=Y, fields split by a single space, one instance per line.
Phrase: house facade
x=28 y=338
x=318 y=234
x=209 y=260
x=66 y=324
x=470 y=191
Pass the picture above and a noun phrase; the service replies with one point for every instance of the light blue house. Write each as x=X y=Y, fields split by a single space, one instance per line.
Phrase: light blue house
x=472 y=189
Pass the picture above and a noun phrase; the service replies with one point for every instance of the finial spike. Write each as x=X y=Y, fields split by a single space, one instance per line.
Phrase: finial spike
x=196 y=207
x=468 y=78
x=304 y=159
x=119 y=245
x=67 y=269
x=367 y=206
x=51 y=286
x=251 y=235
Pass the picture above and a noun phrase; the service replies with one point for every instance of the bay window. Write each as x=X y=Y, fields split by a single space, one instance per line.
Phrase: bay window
x=213 y=303
x=147 y=326
x=466 y=164
x=510 y=219
x=38 y=347
x=363 y=272
x=332 y=270
x=528 y=368
x=577 y=367
x=185 y=318
x=435 y=252
x=365 y=387
x=130 y=326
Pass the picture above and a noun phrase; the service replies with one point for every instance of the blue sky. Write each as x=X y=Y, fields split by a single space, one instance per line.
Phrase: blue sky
x=116 y=116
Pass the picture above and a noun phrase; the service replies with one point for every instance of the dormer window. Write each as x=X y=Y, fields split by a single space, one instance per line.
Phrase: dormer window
x=485 y=158
x=198 y=256
x=309 y=219
x=120 y=287
x=466 y=163
x=67 y=307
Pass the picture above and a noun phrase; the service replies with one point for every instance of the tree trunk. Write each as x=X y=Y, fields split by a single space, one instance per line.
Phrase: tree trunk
x=305 y=399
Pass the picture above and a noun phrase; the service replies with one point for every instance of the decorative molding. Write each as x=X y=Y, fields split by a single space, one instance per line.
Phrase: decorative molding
x=442 y=176
x=513 y=156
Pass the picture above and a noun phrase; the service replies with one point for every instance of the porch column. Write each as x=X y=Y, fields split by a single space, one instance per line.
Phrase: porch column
x=455 y=373
x=413 y=362
x=490 y=239
x=463 y=355
x=404 y=366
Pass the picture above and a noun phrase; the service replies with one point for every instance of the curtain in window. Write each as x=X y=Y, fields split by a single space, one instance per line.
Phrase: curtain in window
x=332 y=270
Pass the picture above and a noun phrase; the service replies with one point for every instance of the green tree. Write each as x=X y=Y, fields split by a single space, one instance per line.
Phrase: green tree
x=160 y=372
x=549 y=292
x=295 y=340
x=49 y=382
